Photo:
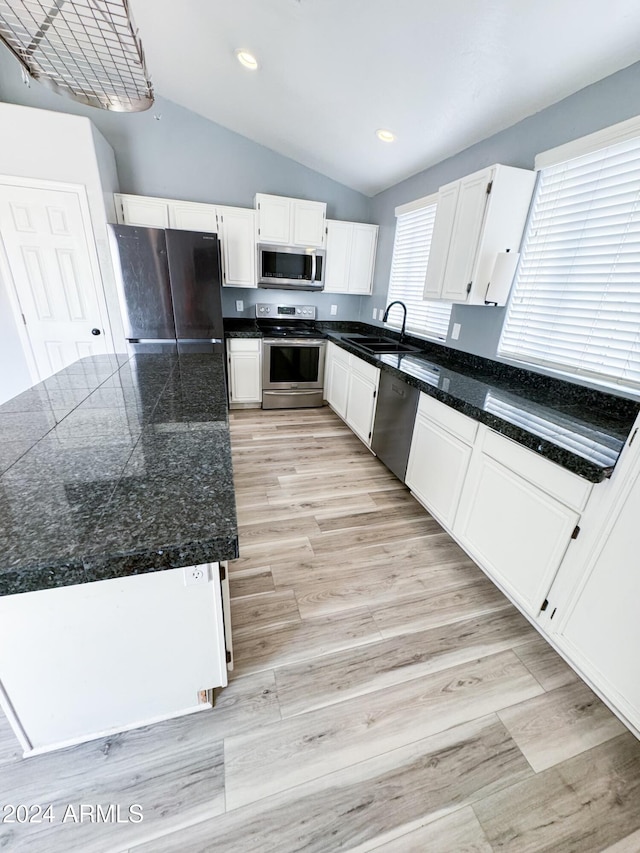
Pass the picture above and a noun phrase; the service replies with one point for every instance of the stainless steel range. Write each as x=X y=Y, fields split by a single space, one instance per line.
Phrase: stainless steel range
x=293 y=352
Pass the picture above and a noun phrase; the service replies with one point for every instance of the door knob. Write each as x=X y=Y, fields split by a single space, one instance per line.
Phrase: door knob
x=95 y=331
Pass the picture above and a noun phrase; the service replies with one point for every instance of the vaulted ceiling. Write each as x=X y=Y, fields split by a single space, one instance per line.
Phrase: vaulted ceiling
x=440 y=74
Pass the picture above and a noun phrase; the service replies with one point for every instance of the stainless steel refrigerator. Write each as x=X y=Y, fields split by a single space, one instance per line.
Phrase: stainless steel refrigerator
x=169 y=285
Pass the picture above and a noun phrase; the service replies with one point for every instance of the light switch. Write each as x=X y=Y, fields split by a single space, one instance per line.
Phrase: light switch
x=334 y=310
x=239 y=305
x=455 y=332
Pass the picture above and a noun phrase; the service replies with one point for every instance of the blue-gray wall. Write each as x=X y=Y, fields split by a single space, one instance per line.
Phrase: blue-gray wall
x=171 y=152
x=606 y=102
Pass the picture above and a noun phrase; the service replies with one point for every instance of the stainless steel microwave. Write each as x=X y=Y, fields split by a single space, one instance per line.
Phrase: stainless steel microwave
x=290 y=267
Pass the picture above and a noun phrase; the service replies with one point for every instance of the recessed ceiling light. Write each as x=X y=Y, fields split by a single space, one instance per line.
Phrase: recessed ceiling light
x=247 y=59
x=385 y=135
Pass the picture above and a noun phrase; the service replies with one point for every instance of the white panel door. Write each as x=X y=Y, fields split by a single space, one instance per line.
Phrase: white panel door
x=191 y=216
x=437 y=466
x=339 y=240
x=363 y=254
x=46 y=240
x=441 y=240
x=470 y=211
x=138 y=210
x=361 y=405
x=516 y=532
x=308 y=223
x=274 y=218
x=238 y=240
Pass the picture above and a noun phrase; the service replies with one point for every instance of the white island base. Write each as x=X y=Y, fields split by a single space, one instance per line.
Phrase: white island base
x=85 y=661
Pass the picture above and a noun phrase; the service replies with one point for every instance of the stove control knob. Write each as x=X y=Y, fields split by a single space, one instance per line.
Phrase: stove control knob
x=298 y=311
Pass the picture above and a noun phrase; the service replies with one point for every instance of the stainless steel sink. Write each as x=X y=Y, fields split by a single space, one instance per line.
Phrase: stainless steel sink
x=376 y=346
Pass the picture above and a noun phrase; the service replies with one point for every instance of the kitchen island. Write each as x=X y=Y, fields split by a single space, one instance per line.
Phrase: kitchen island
x=116 y=480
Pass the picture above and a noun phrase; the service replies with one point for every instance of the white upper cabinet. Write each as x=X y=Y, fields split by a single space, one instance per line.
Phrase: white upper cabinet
x=190 y=216
x=235 y=227
x=290 y=221
x=139 y=210
x=477 y=218
x=351 y=254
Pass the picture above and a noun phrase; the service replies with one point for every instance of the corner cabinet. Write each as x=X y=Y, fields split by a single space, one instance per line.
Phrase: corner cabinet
x=351 y=254
x=244 y=359
x=235 y=226
x=290 y=221
x=517 y=516
x=351 y=390
x=477 y=218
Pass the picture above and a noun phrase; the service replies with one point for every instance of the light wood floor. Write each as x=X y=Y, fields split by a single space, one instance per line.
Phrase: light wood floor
x=386 y=696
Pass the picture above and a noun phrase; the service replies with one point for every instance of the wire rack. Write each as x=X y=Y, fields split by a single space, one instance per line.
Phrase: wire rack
x=88 y=50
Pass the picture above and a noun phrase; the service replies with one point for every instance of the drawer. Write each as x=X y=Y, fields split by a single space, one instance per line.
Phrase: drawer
x=244 y=344
x=449 y=419
x=568 y=488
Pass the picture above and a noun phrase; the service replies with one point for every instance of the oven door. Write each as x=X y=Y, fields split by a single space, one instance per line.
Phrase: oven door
x=292 y=372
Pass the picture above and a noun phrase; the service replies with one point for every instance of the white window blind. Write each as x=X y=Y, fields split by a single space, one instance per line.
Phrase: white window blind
x=576 y=300
x=414 y=230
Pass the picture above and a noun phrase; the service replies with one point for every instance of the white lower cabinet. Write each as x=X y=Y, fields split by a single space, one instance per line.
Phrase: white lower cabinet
x=439 y=457
x=599 y=628
x=361 y=401
x=244 y=357
x=337 y=379
x=516 y=517
x=351 y=388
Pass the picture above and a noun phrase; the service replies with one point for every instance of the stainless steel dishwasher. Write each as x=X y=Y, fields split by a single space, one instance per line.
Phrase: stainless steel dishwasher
x=393 y=425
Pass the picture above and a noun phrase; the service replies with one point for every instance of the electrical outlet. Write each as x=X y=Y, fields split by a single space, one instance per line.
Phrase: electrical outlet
x=455 y=332
x=334 y=310
x=195 y=575
x=375 y=313
x=239 y=305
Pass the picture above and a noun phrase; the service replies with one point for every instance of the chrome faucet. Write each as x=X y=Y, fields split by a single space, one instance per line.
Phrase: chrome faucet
x=404 y=320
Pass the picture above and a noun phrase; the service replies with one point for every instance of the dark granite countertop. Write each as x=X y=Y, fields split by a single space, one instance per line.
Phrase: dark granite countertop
x=580 y=428
x=116 y=466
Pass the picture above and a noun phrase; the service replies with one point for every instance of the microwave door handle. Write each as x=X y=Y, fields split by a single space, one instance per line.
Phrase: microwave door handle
x=313 y=267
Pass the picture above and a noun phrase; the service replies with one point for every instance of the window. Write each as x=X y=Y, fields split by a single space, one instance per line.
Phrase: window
x=414 y=229
x=575 y=304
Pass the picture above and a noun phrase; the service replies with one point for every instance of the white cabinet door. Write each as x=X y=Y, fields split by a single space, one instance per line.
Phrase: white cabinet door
x=339 y=240
x=351 y=253
x=238 y=238
x=138 y=210
x=516 y=532
x=465 y=236
x=437 y=467
x=290 y=221
x=191 y=216
x=601 y=632
x=361 y=403
x=274 y=218
x=245 y=364
x=308 y=223
x=363 y=255
x=441 y=240
x=338 y=386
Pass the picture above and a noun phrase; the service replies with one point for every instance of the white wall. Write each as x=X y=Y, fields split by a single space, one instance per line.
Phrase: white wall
x=14 y=371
